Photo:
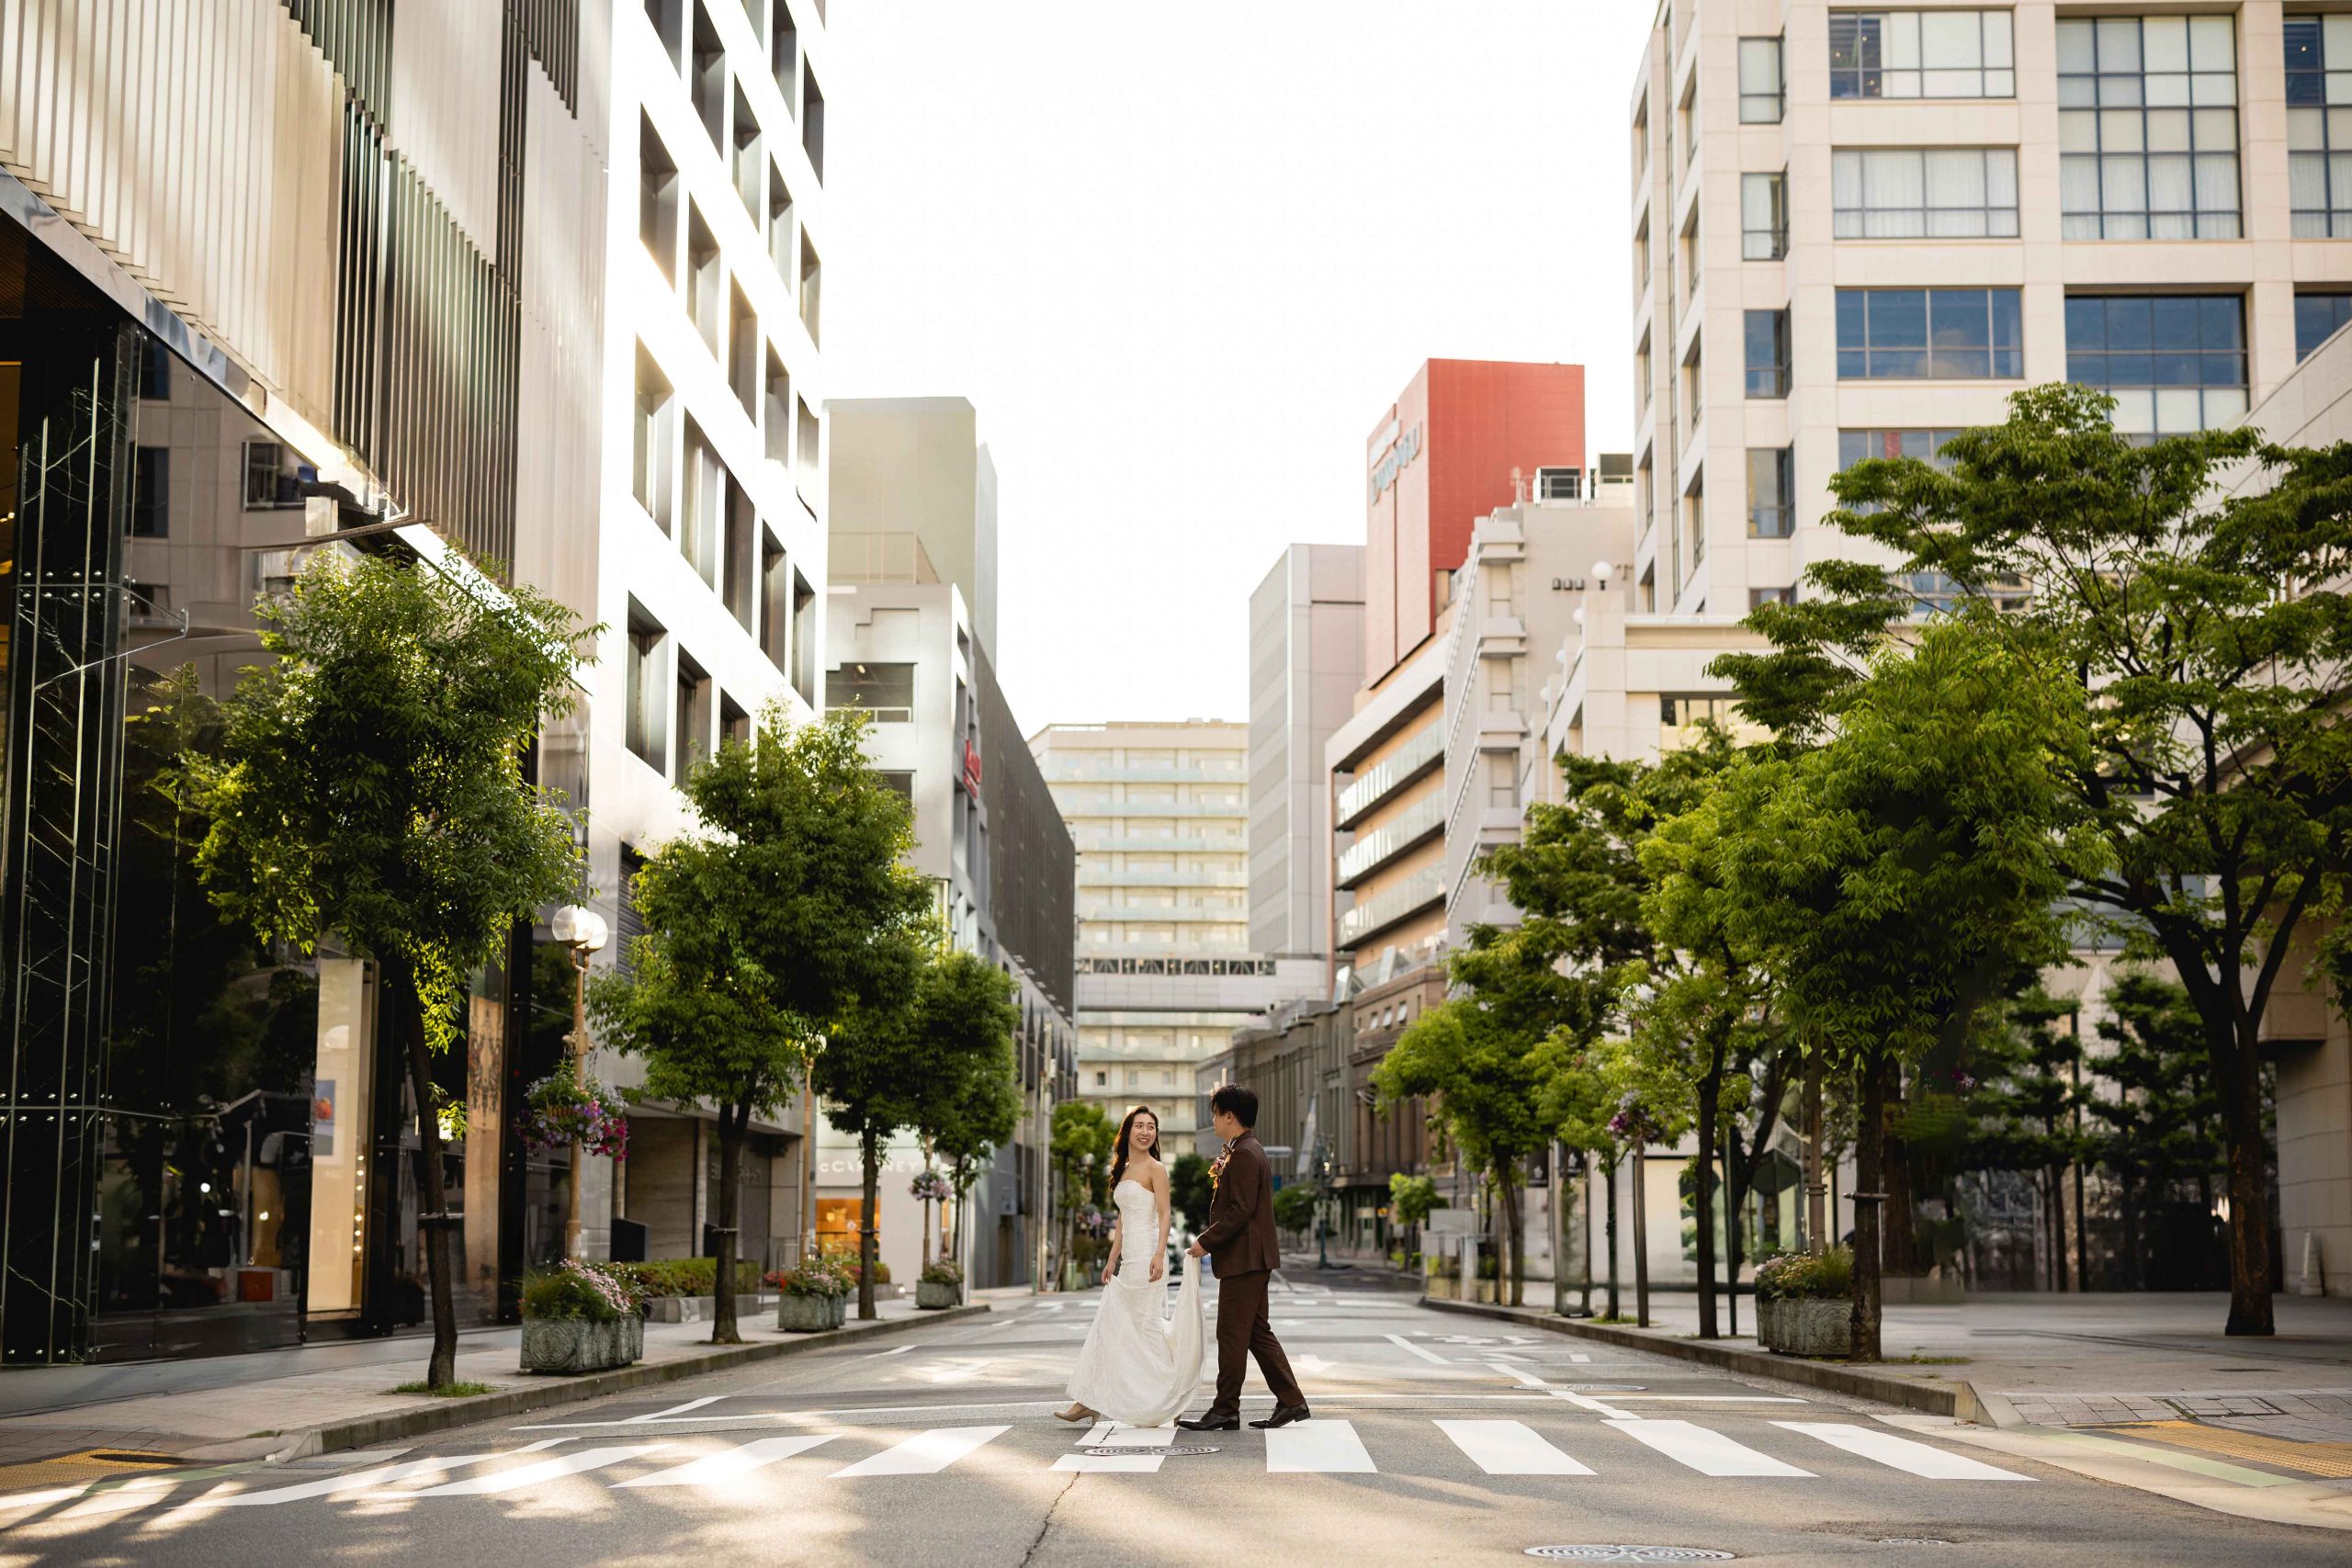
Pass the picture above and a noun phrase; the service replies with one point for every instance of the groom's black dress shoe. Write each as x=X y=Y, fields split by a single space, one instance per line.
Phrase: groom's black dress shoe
x=1285 y=1417
x=1210 y=1423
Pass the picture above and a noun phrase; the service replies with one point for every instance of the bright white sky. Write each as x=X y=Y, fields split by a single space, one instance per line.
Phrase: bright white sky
x=1181 y=257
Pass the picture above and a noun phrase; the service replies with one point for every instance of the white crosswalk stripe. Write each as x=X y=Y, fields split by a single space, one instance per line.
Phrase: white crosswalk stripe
x=533 y=1474
x=925 y=1453
x=1706 y=1452
x=1141 y=1443
x=354 y=1481
x=1509 y=1447
x=1902 y=1453
x=1320 y=1447
x=715 y=1470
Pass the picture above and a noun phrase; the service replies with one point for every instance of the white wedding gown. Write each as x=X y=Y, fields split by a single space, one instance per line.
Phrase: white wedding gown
x=1140 y=1367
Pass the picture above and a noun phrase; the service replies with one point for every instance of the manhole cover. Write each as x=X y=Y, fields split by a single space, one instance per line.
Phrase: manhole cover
x=1115 y=1453
x=1604 y=1387
x=1911 y=1541
x=1630 y=1553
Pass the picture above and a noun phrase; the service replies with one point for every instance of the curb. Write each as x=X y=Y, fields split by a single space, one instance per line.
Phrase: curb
x=1954 y=1399
x=442 y=1414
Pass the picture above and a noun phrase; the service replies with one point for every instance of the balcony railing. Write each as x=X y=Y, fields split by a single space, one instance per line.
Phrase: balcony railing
x=1392 y=838
x=1392 y=772
x=1416 y=893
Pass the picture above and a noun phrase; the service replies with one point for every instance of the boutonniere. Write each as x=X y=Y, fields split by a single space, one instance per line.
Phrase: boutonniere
x=1216 y=1168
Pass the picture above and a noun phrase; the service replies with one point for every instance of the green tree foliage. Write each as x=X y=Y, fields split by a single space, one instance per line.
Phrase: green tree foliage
x=1295 y=1208
x=1189 y=1189
x=1080 y=1149
x=2015 y=1108
x=370 y=782
x=1900 y=876
x=2215 y=633
x=2161 y=1128
x=1473 y=1058
x=786 y=911
x=970 y=1098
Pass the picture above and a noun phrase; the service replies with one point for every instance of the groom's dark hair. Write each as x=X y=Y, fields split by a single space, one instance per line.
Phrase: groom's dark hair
x=1239 y=1101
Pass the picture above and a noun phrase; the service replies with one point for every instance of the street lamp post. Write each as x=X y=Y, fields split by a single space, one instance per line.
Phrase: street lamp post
x=585 y=932
x=1322 y=1205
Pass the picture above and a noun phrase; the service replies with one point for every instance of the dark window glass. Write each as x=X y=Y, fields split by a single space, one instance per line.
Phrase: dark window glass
x=2317 y=318
x=151 y=515
x=1771 y=492
x=1929 y=335
x=1767 y=342
x=2174 y=363
x=888 y=691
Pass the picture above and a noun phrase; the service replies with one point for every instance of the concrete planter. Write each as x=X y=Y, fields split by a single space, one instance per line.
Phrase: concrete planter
x=808 y=1314
x=930 y=1297
x=1441 y=1289
x=700 y=1309
x=575 y=1345
x=1768 y=1317
x=1808 y=1328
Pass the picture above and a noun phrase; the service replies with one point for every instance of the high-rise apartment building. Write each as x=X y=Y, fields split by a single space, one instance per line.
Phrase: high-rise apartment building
x=1305 y=662
x=1859 y=229
x=1165 y=971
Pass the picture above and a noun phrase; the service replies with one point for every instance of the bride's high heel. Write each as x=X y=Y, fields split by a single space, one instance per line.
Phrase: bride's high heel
x=1075 y=1413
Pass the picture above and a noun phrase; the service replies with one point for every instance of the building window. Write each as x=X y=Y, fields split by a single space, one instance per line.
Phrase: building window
x=1931 y=334
x=1694 y=382
x=783 y=52
x=2317 y=318
x=1680 y=712
x=1761 y=90
x=1642 y=372
x=657 y=200
x=780 y=251
x=642 y=719
x=705 y=281
x=708 y=80
x=1767 y=339
x=1763 y=217
x=1908 y=193
x=2319 y=125
x=1760 y=597
x=885 y=691
x=652 y=441
x=2148 y=128
x=1771 y=492
x=151 y=507
x=274 y=479
x=812 y=121
x=1921 y=54
x=1101 y=1078
x=1641 y=141
x=2174 y=363
x=154 y=371
x=694 y=717
x=811 y=278
x=749 y=158
x=806 y=468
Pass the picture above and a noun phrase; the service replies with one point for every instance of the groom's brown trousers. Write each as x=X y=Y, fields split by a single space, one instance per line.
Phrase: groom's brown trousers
x=1242 y=1329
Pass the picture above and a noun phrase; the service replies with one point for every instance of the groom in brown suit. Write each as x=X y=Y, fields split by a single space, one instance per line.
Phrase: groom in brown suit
x=1239 y=1240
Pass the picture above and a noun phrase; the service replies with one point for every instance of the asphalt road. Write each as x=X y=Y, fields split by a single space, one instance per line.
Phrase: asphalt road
x=1432 y=1442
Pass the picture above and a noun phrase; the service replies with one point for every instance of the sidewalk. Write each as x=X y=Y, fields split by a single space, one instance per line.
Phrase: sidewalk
x=275 y=1403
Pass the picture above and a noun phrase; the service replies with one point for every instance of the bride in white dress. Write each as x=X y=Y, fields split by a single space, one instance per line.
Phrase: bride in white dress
x=1138 y=1366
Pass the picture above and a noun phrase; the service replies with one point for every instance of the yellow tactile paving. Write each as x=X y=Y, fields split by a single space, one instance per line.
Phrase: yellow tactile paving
x=88 y=1464
x=2311 y=1459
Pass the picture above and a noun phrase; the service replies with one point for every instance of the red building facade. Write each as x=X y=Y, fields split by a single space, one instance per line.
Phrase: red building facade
x=1441 y=458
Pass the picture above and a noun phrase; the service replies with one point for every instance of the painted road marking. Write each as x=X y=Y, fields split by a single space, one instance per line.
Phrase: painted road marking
x=1320 y=1447
x=1404 y=1344
x=1708 y=1452
x=713 y=1469
x=1902 y=1453
x=533 y=1474
x=1509 y=1447
x=925 y=1453
x=353 y=1481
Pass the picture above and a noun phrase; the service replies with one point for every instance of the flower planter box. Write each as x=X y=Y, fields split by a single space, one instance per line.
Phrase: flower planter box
x=1440 y=1288
x=1768 y=1317
x=575 y=1345
x=1814 y=1326
x=808 y=1314
x=930 y=1297
x=700 y=1309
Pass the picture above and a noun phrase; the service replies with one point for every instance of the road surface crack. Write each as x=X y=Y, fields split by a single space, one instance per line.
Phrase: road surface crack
x=1047 y=1522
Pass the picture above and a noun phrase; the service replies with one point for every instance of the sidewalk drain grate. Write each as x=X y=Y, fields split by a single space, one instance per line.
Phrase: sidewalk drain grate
x=1911 y=1541
x=1116 y=1453
x=1630 y=1553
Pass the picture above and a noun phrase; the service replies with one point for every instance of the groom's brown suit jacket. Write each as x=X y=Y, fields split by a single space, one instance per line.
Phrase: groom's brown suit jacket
x=1240 y=1236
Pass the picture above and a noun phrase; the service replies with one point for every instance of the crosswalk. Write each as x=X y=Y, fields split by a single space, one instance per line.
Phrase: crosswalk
x=1622 y=1448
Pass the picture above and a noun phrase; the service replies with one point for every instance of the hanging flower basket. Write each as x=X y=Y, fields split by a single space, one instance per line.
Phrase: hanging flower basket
x=565 y=1107
x=929 y=1188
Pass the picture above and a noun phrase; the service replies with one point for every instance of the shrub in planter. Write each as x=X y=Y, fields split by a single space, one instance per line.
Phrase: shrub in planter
x=812 y=1296
x=666 y=1276
x=941 y=1284
x=1805 y=1304
x=580 y=1317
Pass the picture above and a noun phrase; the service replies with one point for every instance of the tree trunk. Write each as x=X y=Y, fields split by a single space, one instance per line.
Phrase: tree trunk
x=1611 y=1182
x=1641 y=1239
x=1514 y=1228
x=1731 y=1226
x=1710 y=1087
x=731 y=1128
x=1816 y=1205
x=2135 y=1277
x=2250 y=1272
x=431 y=1221
x=1869 y=1176
x=869 y=1251
x=1898 y=1236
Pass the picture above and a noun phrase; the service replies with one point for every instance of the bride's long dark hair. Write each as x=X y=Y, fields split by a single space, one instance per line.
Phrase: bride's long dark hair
x=1119 y=1154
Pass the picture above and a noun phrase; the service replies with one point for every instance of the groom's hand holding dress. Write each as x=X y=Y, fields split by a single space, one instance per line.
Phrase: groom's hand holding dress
x=1239 y=1242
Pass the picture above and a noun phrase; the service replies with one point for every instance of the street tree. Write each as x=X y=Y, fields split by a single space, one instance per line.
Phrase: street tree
x=970 y=1094
x=1081 y=1147
x=370 y=783
x=2017 y=1109
x=2213 y=631
x=1473 y=1060
x=1899 y=876
x=784 y=910
x=2160 y=1129
x=1190 y=1189
x=1411 y=1201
